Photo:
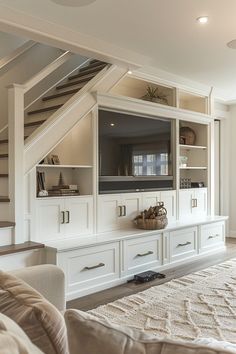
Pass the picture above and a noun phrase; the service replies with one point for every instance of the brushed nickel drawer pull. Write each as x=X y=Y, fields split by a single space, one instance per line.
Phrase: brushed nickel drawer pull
x=184 y=244
x=63 y=217
x=96 y=266
x=144 y=254
x=213 y=236
x=120 y=211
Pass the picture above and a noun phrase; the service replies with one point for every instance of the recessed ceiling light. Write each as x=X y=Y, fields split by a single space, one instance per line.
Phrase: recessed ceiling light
x=130 y=72
x=232 y=44
x=202 y=19
x=73 y=3
x=112 y=124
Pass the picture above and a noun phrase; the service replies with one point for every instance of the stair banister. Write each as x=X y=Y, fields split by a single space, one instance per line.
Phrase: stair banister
x=42 y=74
x=16 y=158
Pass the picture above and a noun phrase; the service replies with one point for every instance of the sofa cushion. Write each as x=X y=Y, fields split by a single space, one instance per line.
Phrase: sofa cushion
x=13 y=340
x=88 y=334
x=40 y=320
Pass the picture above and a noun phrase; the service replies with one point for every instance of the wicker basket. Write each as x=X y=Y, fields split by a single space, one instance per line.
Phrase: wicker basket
x=160 y=222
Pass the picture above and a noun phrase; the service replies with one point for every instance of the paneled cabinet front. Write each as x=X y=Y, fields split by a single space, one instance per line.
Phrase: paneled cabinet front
x=63 y=217
x=192 y=203
x=117 y=211
x=142 y=253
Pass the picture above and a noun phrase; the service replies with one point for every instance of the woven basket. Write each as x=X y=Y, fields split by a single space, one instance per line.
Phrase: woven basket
x=160 y=222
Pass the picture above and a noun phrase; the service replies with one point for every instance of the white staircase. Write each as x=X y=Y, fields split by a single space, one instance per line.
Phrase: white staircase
x=36 y=129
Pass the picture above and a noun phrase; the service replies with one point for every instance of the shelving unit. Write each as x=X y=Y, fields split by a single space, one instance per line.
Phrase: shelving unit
x=197 y=154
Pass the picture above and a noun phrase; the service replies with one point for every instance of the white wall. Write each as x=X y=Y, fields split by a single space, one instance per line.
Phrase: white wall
x=232 y=159
x=23 y=68
x=9 y=43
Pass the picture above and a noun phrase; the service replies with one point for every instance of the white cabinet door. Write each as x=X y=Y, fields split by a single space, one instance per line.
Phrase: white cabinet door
x=50 y=218
x=200 y=206
x=150 y=199
x=109 y=212
x=169 y=200
x=78 y=216
x=131 y=207
x=185 y=203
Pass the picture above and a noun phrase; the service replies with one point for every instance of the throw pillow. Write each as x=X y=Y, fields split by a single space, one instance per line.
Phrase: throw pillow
x=39 y=319
x=89 y=335
x=13 y=340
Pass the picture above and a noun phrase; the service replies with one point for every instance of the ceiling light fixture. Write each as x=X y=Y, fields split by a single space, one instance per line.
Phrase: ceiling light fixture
x=130 y=72
x=202 y=19
x=73 y=3
x=112 y=124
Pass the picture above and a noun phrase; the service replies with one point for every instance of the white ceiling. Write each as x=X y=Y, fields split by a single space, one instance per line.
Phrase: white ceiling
x=163 y=31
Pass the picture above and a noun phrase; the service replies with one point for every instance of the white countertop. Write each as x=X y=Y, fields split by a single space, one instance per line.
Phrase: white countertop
x=113 y=236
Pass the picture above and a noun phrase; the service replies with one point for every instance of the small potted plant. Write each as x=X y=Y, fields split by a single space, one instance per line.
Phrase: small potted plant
x=154 y=95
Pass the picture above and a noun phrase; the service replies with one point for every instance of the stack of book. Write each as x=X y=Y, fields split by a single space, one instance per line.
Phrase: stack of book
x=63 y=190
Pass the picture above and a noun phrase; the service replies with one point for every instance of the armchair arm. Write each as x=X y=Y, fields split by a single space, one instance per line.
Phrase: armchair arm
x=48 y=280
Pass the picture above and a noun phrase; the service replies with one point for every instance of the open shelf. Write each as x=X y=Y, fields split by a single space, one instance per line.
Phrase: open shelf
x=189 y=147
x=192 y=102
x=193 y=168
x=64 y=166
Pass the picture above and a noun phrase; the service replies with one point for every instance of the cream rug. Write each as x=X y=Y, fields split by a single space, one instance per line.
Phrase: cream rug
x=200 y=305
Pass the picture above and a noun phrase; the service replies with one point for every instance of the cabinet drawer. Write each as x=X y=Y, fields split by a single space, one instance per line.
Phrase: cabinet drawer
x=91 y=266
x=212 y=235
x=142 y=253
x=183 y=243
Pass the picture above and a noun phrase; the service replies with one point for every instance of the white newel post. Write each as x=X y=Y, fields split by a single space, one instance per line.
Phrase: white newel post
x=16 y=158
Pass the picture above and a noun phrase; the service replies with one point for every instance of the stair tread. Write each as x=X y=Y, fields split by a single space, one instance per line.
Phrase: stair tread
x=87 y=72
x=3 y=156
x=32 y=124
x=73 y=83
x=45 y=109
x=4 y=224
x=21 y=247
x=93 y=65
x=3 y=175
x=4 y=199
x=60 y=94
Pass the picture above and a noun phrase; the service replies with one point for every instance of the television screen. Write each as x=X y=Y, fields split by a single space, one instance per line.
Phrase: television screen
x=136 y=146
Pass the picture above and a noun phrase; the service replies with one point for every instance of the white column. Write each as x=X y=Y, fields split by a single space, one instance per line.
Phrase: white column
x=16 y=158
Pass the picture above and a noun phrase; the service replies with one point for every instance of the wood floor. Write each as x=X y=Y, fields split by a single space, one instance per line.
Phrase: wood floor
x=103 y=297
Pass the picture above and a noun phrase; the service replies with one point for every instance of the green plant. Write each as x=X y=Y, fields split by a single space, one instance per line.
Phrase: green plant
x=154 y=94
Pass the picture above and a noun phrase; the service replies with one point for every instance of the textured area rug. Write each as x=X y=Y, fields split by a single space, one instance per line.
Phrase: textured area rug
x=199 y=305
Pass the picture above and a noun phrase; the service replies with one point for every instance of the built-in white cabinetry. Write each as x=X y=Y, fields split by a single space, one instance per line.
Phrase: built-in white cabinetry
x=183 y=244
x=64 y=217
x=212 y=236
x=192 y=203
x=142 y=253
x=117 y=211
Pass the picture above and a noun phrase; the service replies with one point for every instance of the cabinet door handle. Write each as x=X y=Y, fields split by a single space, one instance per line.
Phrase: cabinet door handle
x=68 y=216
x=63 y=217
x=96 y=266
x=144 y=254
x=196 y=203
x=124 y=210
x=214 y=236
x=184 y=244
x=193 y=203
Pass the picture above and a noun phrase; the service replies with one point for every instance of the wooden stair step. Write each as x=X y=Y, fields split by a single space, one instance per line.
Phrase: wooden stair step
x=60 y=94
x=3 y=156
x=33 y=124
x=3 y=175
x=5 y=224
x=4 y=199
x=95 y=61
x=45 y=109
x=21 y=247
x=84 y=72
x=73 y=83
x=84 y=75
x=92 y=65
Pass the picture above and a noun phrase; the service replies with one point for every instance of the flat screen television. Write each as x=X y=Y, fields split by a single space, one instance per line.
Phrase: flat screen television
x=135 y=153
